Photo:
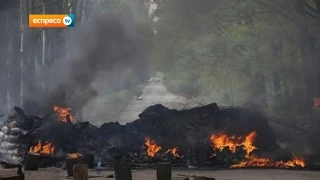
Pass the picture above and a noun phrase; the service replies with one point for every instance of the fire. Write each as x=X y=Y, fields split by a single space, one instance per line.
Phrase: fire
x=63 y=112
x=316 y=103
x=221 y=141
x=252 y=161
x=248 y=142
x=152 y=147
x=44 y=149
x=173 y=151
x=74 y=155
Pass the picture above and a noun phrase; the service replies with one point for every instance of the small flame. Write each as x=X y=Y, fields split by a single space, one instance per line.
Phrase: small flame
x=63 y=113
x=173 y=151
x=316 y=103
x=221 y=141
x=152 y=147
x=74 y=155
x=44 y=149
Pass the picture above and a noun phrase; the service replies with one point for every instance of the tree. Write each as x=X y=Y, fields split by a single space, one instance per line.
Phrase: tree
x=241 y=52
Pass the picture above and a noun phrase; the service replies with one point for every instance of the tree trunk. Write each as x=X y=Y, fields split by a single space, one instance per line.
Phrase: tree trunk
x=43 y=54
x=88 y=8
x=22 y=32
x=8 y=62
x=81 y=6
x=70 y=6
x=74 y=8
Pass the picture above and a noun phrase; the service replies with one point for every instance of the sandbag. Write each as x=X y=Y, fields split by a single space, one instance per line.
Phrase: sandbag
x=15 y=137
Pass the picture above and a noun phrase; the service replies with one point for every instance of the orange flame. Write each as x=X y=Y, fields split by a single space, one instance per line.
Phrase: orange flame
x=62 y=113
x=73 y=155
x=248 y=142
x=173 y=151
x=252 y=161
x=221 y=141
x=152 y=147
x=316 y=103
x=44 y=149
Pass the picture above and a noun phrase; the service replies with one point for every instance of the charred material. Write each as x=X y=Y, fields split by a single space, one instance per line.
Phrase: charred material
x=188 y=130
x=163 y=135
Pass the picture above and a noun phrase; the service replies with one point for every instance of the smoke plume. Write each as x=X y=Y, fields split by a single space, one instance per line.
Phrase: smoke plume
x=102 y=55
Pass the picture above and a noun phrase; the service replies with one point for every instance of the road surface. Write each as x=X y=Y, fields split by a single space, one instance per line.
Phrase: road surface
x=150 y=174
x=153 y=93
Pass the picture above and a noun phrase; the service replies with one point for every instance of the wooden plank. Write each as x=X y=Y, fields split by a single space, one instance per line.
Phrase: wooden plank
x=202 y=178
x=80 y=172
x=196 y=177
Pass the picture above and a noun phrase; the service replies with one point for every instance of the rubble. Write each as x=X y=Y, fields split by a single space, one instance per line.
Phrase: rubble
x=183 y=136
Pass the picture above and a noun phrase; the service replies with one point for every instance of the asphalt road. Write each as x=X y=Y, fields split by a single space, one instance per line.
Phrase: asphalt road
x=153 y=93
x=150 y=174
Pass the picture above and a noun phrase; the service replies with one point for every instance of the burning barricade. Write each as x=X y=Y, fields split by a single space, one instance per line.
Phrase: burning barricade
x=208 y=136
x=221 y=141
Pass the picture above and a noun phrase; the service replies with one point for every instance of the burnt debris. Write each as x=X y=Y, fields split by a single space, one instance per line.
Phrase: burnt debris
x=160 y=134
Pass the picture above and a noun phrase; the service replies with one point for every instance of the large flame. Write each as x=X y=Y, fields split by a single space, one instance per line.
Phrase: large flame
x=221 y=141
x=252 y=161
x=152 y=147
x=44 y=149
x=63 y=113
x=173 y=151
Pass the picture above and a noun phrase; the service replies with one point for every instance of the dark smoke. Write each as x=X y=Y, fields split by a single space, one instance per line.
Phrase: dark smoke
x=103 y=55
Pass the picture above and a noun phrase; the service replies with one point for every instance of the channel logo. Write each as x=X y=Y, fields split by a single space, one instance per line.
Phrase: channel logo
x=51 y=20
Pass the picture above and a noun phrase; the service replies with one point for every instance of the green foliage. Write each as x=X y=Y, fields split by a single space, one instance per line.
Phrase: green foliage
x=218 y=54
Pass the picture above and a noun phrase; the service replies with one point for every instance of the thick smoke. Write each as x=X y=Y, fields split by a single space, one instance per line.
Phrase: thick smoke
x=103 y=55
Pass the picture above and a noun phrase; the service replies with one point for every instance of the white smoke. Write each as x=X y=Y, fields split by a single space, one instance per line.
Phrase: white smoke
x=152 y=7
